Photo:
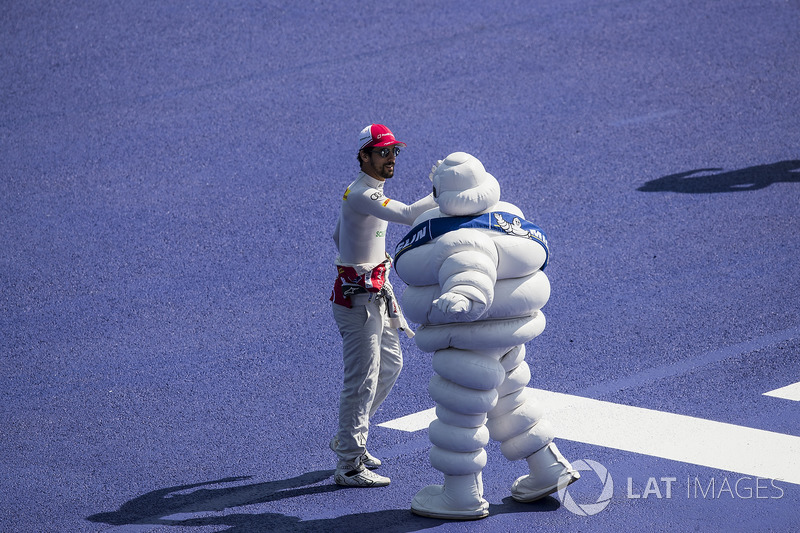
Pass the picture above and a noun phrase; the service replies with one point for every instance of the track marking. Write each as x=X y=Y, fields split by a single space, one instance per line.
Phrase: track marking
x=685 y=366
x=789 y=392
x=649 y=117
x=687 y=439
x=412 y=422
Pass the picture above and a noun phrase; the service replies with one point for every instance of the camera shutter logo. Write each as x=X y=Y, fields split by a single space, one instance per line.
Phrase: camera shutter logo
x=587 y=509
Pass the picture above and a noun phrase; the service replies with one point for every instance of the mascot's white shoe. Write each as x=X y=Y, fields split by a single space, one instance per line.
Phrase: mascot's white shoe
x=460 y=498
x=549 y=471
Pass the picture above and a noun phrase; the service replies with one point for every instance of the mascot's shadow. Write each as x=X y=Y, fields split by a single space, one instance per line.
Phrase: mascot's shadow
x=746 y=179
x=174 y=506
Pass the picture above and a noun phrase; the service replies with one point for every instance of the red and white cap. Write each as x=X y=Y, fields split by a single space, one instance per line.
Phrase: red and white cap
x=377 y=136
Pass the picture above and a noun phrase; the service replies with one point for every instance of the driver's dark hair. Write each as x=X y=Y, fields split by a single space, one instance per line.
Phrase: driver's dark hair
x=358 y=156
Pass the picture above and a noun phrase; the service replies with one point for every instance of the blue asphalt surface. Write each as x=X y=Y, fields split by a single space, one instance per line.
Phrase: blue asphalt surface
x=170 y=176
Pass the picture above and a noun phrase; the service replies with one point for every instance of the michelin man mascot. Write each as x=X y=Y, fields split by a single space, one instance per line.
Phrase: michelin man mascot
x=475 y=284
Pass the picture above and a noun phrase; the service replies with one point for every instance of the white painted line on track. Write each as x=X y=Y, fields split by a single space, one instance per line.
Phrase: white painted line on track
x=690 y=364
x=649 y=117
x=789 y=392
x=412 y=422
x=687 y=439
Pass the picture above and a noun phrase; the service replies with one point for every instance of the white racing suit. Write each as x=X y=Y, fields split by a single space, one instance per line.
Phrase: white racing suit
x=365 y=309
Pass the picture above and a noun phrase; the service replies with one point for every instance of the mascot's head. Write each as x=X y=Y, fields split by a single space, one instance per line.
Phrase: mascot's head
x=461 y=186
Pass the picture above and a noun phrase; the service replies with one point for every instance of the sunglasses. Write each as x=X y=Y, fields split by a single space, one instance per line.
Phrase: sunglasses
x=384 y=152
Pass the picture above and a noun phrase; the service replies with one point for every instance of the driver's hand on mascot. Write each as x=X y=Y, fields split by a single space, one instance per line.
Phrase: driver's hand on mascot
x=433 y=169
x=451 y=303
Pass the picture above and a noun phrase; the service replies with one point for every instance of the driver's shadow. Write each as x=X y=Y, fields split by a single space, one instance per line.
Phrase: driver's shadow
x=174 y=506
x=155 y=506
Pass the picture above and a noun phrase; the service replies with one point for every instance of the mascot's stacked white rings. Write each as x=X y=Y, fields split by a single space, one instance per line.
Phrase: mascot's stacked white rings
x=478 y=294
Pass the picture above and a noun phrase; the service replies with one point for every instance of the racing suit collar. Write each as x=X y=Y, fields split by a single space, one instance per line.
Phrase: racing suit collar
x=370 y=181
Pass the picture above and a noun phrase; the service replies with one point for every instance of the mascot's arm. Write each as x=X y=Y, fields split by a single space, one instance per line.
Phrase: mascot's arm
x=452 y=303
x=467 y=275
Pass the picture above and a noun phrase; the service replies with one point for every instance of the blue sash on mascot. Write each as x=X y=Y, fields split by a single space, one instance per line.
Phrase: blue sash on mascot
x=496 y=220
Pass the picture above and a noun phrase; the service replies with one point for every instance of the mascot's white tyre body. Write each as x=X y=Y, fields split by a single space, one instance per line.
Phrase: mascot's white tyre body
x=515 y=257
x=512 y=298
x=476 y=287
x=483 y=335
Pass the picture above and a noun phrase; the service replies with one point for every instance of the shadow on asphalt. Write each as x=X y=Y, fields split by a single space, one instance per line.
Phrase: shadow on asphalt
x=746 y=179
x=171 y=507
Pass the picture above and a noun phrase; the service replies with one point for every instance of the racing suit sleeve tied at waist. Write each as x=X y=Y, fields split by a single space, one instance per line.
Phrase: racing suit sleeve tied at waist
x=352 y=280
x=356 y=285
x=396 y=318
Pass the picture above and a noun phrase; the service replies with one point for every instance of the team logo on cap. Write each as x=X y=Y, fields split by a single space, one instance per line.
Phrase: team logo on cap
x=376 y=135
